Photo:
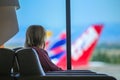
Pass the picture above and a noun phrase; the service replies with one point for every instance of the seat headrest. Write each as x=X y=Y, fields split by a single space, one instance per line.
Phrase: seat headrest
x=28 y=62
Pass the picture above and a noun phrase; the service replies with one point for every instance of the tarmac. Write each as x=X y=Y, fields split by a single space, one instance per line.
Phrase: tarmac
x=103 y=68
x=109 y=69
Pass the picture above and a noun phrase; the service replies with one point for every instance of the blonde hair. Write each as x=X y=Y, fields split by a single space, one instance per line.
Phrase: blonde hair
x=35 y=36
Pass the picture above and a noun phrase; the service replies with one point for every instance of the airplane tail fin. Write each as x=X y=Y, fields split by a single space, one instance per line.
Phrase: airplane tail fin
x=83 y=47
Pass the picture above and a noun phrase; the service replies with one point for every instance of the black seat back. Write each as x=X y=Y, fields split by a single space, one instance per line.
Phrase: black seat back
x=28 y=62
x=6 y=62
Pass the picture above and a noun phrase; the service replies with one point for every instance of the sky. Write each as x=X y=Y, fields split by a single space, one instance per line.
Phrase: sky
x=51 y=14
x=95 y=11
x=82 y=11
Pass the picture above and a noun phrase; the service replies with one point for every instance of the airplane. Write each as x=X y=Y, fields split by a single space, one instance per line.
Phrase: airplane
x=82 y=48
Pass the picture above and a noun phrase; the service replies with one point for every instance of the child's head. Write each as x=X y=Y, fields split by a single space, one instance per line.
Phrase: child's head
x=35 y=36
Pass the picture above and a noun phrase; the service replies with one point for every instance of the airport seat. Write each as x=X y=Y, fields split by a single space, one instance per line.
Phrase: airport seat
x=31 y=69
x=28 y=62
x=6 y=63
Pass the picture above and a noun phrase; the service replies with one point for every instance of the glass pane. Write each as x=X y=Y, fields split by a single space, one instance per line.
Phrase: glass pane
x=51 y=15
x=86 y=13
